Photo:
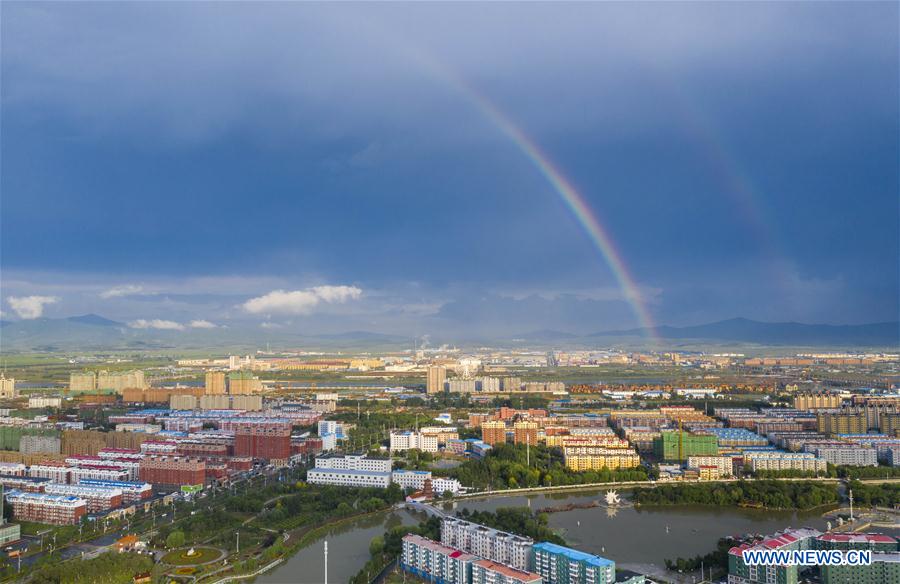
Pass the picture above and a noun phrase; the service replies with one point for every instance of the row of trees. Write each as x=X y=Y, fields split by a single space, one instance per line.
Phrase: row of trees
x=716 y=560
x=108 y=568
x=762 y=493
x=508 y=466
x=882 y=495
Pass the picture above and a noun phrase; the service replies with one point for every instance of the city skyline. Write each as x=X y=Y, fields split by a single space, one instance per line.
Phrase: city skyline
x=360 y=167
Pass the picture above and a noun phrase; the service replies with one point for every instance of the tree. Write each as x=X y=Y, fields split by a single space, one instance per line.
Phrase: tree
x=376 y=546
x=175 y=539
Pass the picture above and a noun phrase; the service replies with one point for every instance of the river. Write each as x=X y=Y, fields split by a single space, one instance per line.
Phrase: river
x=630 y=536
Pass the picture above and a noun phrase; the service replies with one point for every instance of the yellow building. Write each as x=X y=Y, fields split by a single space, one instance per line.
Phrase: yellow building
x=436 y=376
x=215 y=383
x=7 y=387
x=817 y=401
x=611 y=458
x=839 y=423
x=493 y=432
x=525 y=433
x=708 y=473
x=243 y=382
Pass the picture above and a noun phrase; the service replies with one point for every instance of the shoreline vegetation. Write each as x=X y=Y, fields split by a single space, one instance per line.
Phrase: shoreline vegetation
x=758 y=494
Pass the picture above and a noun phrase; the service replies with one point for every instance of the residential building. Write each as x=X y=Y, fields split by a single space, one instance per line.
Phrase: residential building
x=434 y=562
x=98 y=498
x=119 y=380
x=488 y=572
x=611 y=458
x=557 y=564
x=7 y=387
x=132 y=491
x=407 y=440
x=768 y=460
x=442 y=433
x=173 y=471
x=44 y=508
x=525 y=432
x=791 y=540
x=436 y=377
x=461 y=385
x=724 y=464
x=82 y=381
x=850 y=454
x=488 y=384
x=832 y=423
x=817 y=401
x=492 y=544
x=493 y=432
x=215 y=383
x=243 y=382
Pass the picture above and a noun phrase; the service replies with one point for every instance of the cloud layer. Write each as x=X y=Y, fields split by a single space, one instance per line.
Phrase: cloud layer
x=119 y=291
x=29 y=307
x=300 y=302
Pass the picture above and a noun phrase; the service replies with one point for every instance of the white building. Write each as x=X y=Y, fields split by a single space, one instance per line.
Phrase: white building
x=354 y=462
x=331 y=427
x=348 y=478
x=499 y=546
x=489 y=384
x=401 y=441
x=329 y=442
x=724 y=464
x=458 y=385
x=42 y=402
x=415 y=479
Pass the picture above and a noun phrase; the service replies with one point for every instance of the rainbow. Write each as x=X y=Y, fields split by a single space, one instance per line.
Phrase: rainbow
x=569 y=195
x=573 y=200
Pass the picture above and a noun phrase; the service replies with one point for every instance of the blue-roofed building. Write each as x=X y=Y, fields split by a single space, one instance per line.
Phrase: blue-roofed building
x=558 y=564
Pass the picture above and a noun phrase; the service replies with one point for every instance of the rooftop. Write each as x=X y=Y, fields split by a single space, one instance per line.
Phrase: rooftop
x=574 y=555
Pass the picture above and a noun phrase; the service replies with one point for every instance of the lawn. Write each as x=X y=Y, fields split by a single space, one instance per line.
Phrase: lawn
x=201 y=555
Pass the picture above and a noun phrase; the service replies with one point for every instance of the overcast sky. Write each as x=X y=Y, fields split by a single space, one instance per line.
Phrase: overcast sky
x=328 y=167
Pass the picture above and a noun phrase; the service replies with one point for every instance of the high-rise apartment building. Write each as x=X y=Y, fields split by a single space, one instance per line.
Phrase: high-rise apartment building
x=243 y=382
x=407 y=440
x=817 y=401
x=215 y=383
x=525 y=433
x=499 y=546
x=118 y=381
x=7 y=387
x=436 y=376
x=82 y=381
x=493 y=432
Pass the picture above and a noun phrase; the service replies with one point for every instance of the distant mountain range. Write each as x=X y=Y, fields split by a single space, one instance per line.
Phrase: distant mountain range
x=881 y=334
x=90 y=332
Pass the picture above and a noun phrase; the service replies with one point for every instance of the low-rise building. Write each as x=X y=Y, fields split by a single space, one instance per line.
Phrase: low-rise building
x=348 y=478
x=44 y=508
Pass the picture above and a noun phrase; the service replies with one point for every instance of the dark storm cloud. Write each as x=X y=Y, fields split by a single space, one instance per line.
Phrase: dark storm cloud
x=740 y=153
